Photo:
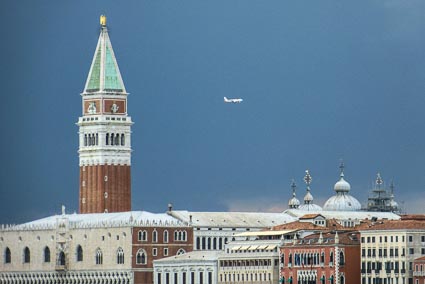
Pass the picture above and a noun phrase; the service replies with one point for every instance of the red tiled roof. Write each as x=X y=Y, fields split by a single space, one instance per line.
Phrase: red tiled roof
x=310 y=216
x=395 y=225
x=420 y=259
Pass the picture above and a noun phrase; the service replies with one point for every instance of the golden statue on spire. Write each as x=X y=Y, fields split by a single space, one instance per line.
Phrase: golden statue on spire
x=102 y=20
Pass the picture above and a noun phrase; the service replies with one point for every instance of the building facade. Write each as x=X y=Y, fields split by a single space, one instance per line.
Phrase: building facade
x=328 y=257
x=419 y=270
x=104 y=135
x=388 y=250
x=90 y=248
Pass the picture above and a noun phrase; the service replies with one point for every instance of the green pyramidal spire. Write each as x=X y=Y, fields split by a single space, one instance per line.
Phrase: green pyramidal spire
x=104 y=75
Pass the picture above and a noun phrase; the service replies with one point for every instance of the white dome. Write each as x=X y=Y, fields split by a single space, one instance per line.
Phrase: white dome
x=308 y=197
x=294 y=202
x=310 y=207
x=342 y=185
x=342 y=202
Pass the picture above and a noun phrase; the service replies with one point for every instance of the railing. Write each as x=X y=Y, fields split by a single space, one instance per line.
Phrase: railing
x=418 y=273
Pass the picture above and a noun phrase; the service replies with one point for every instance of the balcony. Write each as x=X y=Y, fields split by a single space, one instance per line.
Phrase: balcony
x=388 y=271
x=363 y=270
x=403 y=270
x=369 y=270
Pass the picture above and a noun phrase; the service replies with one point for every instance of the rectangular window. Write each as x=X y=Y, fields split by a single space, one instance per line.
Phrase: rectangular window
x=175 y=278
x=410 y=239
x=368 y=239
x=192 y=278
x=210 y=277
x=411 y=251
x=362 y=239
x=184 y=278
x=423 y=239
x=201 y=278
x=165 y=251
x=373 y=239
x=422 y=250
x=154 y=251
x=396 y=239
x=159 y=278
x=167 y=278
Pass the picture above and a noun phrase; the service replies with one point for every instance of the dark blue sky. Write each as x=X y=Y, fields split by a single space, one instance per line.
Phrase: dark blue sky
x=321 y=81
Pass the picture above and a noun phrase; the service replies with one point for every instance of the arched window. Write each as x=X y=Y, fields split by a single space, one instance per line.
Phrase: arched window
x=120 y=256
x=61 y=259
x=107 y=139
x=7 y=255
x=46 y=254
x=117 y=139
x=175 y=235
x=181 y=251
x=141 y=257
x=97 y=139
x=27 y=255
x=85 y=139
x=165 y=236
x=184 y=236
x=112 y=139
x=79 y=253
x=143 y=236
x=342 y=280
x=99 y=256
x=220 y=243
x=154 y=236
x=180 y=236
x=122 y=140
x=341 y=258
x=331 y=257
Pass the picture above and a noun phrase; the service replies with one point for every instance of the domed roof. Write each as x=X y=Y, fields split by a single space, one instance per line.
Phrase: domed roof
x=310 y=207
x=308 y=198
x=342 y=185
x=294 y=202
x=342 y=202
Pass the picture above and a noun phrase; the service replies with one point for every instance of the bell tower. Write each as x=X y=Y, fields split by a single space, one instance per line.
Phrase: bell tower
x=104 y=135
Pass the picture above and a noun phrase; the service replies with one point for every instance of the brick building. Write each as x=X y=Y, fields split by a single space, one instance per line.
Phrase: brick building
x=328 y=257
x=419 y=270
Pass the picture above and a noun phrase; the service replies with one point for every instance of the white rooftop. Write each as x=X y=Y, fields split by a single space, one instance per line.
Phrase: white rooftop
x=119 y=219
x=344 y=215
x=232 y=219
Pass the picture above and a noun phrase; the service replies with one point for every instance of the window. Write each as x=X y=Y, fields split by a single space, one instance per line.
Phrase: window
x=341 y=258
x=46 y=254
x=122 y=140
x=7 y=255
x=410 y=239
x=61 y=259
x=422 y=250
x=165 y=236
x=120 y=256
x=99 y=256
x=165 y=251
x=27 y=255
x=141 y=257
x=411 y=251
x=79 y=253
x=154 y=251
x=154 y=236
x=181 y=251
x=142 y=236
x=423 y=239
x=159 y=278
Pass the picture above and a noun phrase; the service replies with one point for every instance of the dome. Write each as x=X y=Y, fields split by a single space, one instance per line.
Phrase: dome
x=310 y=207
x=342 y=202
x=294 y=202
x=342 y=185
x=308 y=198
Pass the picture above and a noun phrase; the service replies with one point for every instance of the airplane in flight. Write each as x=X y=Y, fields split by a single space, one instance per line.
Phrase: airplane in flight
x=235 y=101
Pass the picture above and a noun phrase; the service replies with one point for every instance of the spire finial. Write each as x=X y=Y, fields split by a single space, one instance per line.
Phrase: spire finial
x=392 y=187
x=294 y=187
x=307 y=178
x=379 y=180
x=341 y=168
x=103 y=20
